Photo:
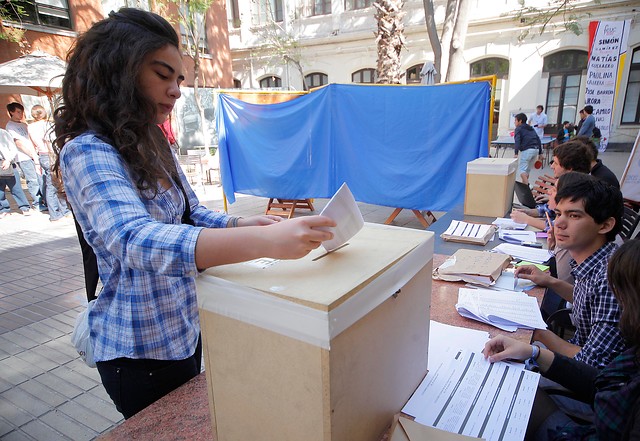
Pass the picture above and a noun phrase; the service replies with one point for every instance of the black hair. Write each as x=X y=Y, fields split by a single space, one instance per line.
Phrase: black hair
x=574 y=155
x=100 y=92
x=11 y=107
x=589 y=144
x=601 y=200
x=521 y=117
x=540 y=106
x=588 y=108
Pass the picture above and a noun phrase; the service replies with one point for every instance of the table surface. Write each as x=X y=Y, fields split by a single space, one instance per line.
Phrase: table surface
x=510 y=140
x=184 y=413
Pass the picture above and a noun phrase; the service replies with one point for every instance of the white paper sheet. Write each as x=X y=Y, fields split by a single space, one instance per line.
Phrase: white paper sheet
x=466 y=229
x=535 y=255
x=343 y=209
x=508 y=224
x=470 y=396
x=507 y=310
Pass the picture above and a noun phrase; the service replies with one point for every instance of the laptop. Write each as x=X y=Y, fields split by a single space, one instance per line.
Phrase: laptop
x=524 y=194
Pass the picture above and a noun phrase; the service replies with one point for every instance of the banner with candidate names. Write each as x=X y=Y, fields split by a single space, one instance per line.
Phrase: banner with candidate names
x=608 y=43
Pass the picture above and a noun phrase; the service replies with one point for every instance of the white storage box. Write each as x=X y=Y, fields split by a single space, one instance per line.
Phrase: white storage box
x=327 y=347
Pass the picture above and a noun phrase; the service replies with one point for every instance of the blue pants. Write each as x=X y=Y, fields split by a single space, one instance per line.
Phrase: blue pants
x=57 y=207
x=28 y=169
x=13 y=182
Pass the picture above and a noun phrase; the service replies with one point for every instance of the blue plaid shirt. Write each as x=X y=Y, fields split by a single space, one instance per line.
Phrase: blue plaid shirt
x=146 y=257
x=596 y=313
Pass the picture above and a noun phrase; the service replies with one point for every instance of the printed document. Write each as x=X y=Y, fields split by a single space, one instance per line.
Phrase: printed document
x=507 y=310
x=470 y=396
x=535 y=255
x=343 y=209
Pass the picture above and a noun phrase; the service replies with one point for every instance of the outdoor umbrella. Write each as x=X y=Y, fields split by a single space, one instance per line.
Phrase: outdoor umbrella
x=428 y=73
x=37 y=73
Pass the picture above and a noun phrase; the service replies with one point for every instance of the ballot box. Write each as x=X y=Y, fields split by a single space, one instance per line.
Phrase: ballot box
x=327 y=347
x=489 y=188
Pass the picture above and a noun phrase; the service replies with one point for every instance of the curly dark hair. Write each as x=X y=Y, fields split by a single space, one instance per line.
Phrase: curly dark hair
x=100 y=92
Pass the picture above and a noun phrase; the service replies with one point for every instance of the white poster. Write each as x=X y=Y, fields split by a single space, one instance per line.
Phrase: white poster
x=608 y=47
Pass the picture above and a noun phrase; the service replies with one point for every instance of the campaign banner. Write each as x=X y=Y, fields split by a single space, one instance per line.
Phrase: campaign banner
x=608 y=43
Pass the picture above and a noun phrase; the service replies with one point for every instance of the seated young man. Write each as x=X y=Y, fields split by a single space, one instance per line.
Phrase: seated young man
x=569 y=156
x=588 y=217
x=598 y=169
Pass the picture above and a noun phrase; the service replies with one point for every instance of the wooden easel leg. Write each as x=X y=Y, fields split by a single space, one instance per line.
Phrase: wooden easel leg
x=395 y=214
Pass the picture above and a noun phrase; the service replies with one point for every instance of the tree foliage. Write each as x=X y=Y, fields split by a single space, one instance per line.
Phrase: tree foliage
x=563 y=15
x=191 y=15
x=11 y=12
x=277 y=45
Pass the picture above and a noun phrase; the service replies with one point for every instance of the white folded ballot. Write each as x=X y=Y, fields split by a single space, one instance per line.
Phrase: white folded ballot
x=508 y=224
x=506 y=310
x=466 y=232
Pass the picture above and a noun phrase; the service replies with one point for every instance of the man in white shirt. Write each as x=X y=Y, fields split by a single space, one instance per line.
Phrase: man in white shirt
x=27 y=155
x=538 y=120
x=9 y=176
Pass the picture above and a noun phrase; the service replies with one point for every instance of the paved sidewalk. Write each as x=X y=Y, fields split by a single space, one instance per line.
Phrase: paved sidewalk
x=46 y=392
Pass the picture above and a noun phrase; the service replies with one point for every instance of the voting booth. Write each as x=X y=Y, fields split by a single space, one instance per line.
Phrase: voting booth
x=327 y=347
x=489 y=187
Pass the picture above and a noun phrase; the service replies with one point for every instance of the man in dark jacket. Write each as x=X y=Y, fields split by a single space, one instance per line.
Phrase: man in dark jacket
x=527 y=145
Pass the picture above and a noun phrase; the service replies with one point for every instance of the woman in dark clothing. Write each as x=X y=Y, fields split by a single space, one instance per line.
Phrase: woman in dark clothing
x=614 y=392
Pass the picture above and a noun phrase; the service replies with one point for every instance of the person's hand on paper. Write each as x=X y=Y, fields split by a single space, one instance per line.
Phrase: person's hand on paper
x=521 y=217
x=501 y=348
x=295 y=238
x=259 y=220
x=533 y=273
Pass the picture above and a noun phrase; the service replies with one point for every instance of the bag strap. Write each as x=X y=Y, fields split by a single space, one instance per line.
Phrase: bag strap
x=186 y=214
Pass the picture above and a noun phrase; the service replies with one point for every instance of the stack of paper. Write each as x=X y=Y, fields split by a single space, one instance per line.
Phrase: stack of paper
x=479 y=267
x=508 y=224
x=507 y=310
x=466 y=232
x=535 y=255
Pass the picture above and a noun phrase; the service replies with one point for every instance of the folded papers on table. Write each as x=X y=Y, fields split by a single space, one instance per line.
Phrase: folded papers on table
x=507 y=310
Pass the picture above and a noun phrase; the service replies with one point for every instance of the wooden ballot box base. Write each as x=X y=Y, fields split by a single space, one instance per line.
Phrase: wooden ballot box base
x=273 y=385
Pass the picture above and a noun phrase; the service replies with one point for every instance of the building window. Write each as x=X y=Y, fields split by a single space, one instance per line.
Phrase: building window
x=199 y=29
x=271 y=82
x=565 y=71
x=321 y=7
x=315 y=79
x=631 y=109
x=234 y=14
x=53 y=13
x=413 y=74
x=500 y=68
x=266 y=11
x=364 y=76
x=490 y=66
x=237 y=84
x=350 y=5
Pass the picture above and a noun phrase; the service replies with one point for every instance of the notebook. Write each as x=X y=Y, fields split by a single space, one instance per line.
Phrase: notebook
x=525 y=196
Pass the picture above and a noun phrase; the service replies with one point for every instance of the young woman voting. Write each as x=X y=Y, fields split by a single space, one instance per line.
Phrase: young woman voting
x=138 y=212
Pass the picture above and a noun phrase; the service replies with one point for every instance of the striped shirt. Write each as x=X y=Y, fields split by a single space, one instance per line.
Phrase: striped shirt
x=596 y=313
x=146 y=257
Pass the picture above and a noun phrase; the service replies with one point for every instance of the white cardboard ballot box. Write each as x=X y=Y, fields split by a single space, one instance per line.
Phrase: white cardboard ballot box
x=489 y=188
x=328 y=347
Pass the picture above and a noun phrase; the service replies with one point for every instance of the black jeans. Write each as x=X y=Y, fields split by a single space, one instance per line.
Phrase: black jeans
x=135 y=384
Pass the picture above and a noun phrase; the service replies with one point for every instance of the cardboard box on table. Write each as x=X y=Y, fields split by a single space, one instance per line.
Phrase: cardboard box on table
x=327 y=347
x=489 y=189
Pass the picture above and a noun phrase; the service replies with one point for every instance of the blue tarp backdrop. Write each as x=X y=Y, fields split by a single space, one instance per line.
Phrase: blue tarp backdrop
x=398 y=146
